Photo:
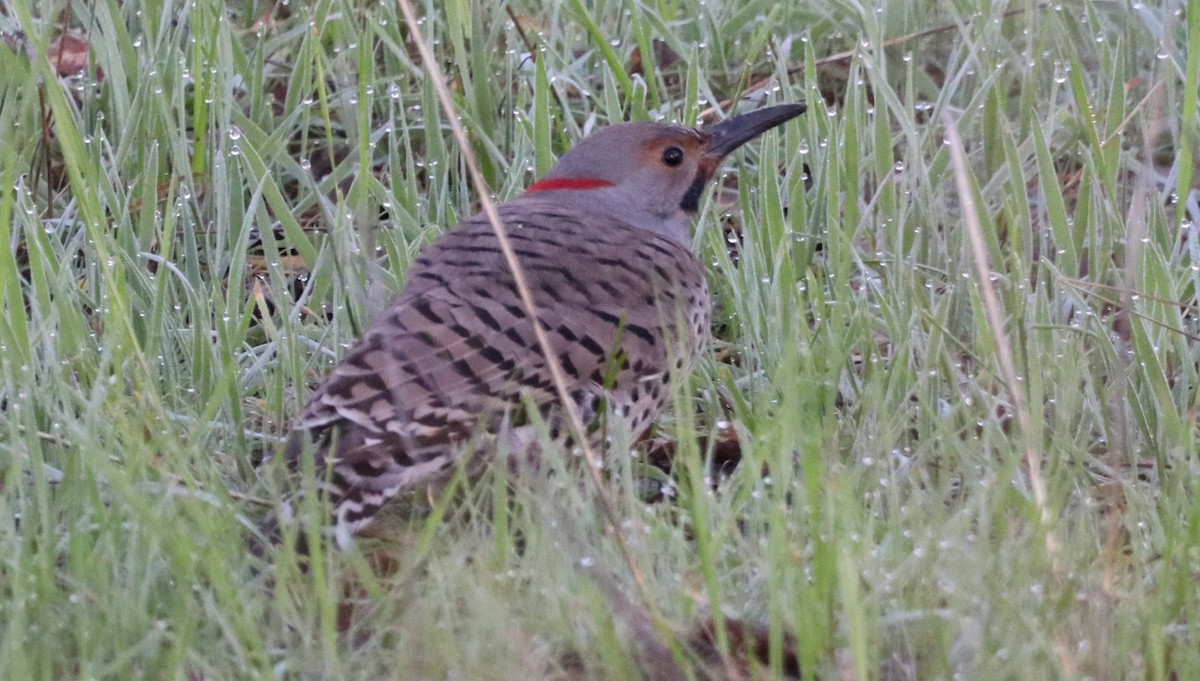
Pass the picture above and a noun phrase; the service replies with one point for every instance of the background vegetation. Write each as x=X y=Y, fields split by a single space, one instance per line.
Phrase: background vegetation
x=209 y=200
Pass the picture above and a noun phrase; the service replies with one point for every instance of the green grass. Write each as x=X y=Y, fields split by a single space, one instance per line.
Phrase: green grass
x=882 y=522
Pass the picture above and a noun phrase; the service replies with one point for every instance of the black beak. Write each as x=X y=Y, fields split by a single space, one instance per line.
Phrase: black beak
x=732 y=133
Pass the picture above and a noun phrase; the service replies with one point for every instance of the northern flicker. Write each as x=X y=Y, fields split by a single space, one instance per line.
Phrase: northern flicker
x=449 y=369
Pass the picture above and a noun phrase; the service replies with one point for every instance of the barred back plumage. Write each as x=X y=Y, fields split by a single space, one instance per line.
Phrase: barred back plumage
x=448 y=370
x=455 y=355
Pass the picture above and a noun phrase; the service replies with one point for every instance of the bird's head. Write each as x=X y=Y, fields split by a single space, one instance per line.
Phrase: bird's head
x=653 y=175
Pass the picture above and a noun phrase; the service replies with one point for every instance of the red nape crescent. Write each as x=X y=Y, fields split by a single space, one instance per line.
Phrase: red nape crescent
x=569 y=183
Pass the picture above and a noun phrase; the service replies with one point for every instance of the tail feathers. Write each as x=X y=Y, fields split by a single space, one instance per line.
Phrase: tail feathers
x=364 y=482
x=355 y=484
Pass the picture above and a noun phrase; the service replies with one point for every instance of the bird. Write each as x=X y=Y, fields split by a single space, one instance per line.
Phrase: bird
x=452 y=367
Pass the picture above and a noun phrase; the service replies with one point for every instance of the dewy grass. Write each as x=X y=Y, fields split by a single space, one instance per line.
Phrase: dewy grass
x=223 y=197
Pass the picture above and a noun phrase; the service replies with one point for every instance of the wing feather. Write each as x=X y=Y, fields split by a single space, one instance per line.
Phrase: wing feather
x=456 y=353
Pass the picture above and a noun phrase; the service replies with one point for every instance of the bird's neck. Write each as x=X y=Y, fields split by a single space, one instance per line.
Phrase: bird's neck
x=599 y=197
x=559 y=183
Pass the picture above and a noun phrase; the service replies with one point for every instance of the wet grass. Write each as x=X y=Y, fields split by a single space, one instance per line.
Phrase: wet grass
x=219 y=203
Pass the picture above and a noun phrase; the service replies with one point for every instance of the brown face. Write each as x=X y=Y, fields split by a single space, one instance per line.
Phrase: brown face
x=696 y=154
x=681 y=152
x=663 y=170
x=672 y=148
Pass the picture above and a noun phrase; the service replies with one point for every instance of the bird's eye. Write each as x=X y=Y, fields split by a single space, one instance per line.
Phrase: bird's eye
x=672 y=156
